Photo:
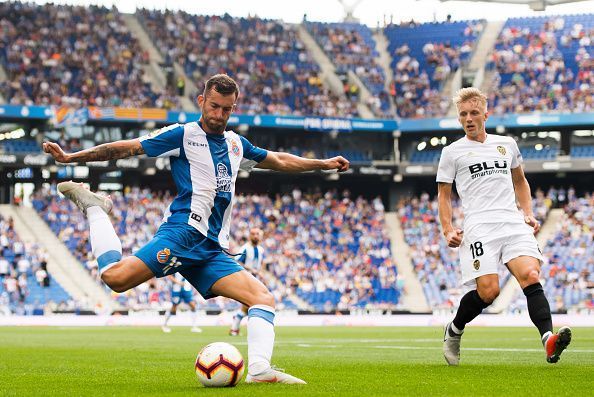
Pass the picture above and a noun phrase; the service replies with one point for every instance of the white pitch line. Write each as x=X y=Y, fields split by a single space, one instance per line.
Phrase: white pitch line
x=487 y=349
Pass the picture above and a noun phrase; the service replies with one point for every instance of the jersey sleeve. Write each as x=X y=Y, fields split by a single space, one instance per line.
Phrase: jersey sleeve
x=165 y=142
x=252 y=155
x=517 y=159
x=446 y=171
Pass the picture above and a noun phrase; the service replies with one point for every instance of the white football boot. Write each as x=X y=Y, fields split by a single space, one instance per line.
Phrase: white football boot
x=84 y=198
x=196 y=330
x=274 y=375
x=451 y=346
x=166 y=329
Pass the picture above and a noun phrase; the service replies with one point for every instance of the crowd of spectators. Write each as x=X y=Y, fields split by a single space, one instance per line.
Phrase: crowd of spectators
x=330 y=249
x=73 y=56
x=421 y=65
x=544 y=64
x=352 y=47
x=303 y=234
x=266 y=58
x=25 y=285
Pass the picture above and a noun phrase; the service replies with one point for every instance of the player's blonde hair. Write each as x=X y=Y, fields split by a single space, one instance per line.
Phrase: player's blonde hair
x=470 y=94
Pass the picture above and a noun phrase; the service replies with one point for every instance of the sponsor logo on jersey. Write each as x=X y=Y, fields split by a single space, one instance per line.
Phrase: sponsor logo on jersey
x=196 y=144
x=501 y=150
x=235 y=148
x=476 y=264
x=163 y=255
x=223 y=178
x=488 y=168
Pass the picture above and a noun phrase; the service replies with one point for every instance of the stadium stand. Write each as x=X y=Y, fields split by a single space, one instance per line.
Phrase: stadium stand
x=25 y=285
x=421 y=64
x=73 y=56
x=351 y=47
x=299 y=229
x=266 y=58
x=582 y=151
x=544 y=64
x=19 y=146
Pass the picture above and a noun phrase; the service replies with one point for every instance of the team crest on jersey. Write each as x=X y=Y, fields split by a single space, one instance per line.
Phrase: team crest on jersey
x=235 y=148
x=476 y=264
x=163 y=255
x=501 y=150
x=223 y=178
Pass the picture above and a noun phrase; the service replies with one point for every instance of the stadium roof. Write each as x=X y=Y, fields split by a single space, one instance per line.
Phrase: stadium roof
x=536 y=5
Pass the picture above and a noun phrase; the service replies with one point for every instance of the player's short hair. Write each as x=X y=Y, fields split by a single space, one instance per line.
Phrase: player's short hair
x=469 y=93
x=222 y=84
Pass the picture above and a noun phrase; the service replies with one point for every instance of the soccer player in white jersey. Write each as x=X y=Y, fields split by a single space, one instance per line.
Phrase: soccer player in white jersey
x=252 y=255
x=181 y=292
x=205 y=160
x=489 y=179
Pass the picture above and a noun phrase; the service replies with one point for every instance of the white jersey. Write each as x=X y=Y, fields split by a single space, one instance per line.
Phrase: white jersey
x=252 y=256
x=204 y=168
x=482 y=172
x=177 y=287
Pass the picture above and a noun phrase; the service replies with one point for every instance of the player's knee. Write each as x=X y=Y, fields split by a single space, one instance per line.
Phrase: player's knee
x=264 y=298
x=489 y=293
x=114 y=280
x=531 y=277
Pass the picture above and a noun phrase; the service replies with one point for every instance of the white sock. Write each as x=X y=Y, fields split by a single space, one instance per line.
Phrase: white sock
x=105 y=244
x=455 y=329
x=545 y=337
x=167 y=317
x=260 y=338
x=237 y=320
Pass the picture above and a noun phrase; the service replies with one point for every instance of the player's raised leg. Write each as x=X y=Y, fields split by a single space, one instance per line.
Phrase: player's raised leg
x=526 y=269
x=471 y=305
x=246 y=289
x=119 y=274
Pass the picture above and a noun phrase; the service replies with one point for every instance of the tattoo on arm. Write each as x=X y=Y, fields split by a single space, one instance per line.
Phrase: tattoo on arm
x=109 y=151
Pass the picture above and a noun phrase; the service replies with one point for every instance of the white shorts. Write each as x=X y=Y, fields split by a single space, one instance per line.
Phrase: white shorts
x=487 y=246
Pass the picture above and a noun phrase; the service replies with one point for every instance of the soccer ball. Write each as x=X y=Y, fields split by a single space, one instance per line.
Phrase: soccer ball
x=219 y=364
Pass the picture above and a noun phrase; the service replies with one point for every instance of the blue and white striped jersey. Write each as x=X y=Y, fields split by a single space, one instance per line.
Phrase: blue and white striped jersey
x=252 y=256
x=204 y=168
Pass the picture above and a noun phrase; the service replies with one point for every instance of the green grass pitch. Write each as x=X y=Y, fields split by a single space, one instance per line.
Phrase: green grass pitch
x=335 y=361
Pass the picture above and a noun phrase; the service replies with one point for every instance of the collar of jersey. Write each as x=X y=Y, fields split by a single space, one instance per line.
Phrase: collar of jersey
x=477 y=142
x=218 y=138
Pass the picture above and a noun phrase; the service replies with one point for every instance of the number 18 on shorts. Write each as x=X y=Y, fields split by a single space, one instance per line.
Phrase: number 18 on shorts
x=488 y=246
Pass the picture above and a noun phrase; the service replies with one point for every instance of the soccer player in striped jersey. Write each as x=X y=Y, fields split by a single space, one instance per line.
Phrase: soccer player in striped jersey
x=205 y=160
x=490 y=180
x=252 y=256
x=181 y=292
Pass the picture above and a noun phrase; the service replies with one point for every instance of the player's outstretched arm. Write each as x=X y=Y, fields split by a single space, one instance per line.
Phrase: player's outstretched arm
x=286 y=162
x=107 y=151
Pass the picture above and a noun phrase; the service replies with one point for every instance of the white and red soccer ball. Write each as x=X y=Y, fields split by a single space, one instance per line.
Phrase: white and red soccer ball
x=219 y=364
